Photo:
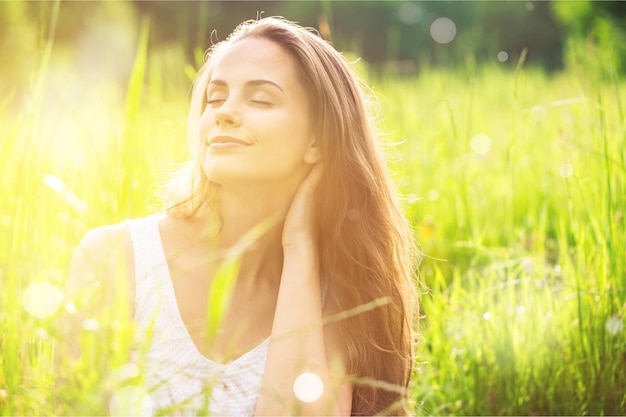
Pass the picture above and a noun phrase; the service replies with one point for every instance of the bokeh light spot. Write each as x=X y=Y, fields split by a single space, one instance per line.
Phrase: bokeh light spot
x=443 y=30
x=353 y=215
x=130 y=401
x=409 y=13
x=308 y=387
x=90 y=324
x=41 y=334
x=412 y=198
x=70 y=307
x=432 y=195
x=41 y=299
x=566 y=170
x=487 y=315
x=480 y=143
x=503 y=56
x=614 y=325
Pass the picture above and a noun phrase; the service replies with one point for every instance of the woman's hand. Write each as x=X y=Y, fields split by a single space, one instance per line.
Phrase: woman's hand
x=300 y=223
x=300 y=342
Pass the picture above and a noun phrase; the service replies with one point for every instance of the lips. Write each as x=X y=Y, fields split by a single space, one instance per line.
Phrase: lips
x=223 y=141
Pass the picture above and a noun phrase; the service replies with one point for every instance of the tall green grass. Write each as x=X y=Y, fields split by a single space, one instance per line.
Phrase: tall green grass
x=525 y=243
x=514 y=182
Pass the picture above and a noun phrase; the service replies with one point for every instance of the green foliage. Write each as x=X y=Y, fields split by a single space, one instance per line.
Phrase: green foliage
x=596 y=39
x=513 y=181
x=524 y=243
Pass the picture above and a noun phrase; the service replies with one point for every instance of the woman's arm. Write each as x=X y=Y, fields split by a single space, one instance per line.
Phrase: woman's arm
x=101 y=271
x=299 y=343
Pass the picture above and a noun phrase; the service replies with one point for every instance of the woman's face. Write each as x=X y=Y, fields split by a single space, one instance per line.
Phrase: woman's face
x=256 y=126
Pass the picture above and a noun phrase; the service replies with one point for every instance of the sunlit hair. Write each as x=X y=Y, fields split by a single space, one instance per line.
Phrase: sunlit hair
x=365 y=242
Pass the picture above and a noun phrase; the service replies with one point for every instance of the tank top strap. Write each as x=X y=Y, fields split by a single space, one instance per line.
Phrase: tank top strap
x=151 y=269
x=147 y=247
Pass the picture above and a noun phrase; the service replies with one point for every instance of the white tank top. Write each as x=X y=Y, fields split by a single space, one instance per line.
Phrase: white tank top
x=179 y=379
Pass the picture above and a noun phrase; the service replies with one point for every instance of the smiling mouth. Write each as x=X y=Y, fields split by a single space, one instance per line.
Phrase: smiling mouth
x=227 y=142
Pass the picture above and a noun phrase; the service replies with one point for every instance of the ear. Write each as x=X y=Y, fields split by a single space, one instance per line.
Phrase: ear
x=312 y=153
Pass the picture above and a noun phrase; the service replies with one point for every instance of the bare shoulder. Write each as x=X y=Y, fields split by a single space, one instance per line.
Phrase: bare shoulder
x=102 y=254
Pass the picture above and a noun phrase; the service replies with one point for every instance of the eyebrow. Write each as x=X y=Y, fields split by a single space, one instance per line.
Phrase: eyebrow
x=252 y=83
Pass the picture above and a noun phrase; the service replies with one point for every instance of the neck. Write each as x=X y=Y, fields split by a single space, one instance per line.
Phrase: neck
x=264 y=211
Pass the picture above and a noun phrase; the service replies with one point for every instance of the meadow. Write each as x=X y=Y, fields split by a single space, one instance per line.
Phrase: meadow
x=513 y=179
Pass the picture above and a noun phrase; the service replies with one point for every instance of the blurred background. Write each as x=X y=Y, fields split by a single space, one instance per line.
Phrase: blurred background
x=96 y=38
x=505 y=131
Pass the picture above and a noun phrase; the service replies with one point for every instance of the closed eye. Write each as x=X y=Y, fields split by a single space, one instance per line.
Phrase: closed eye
x=214 y=102
x=262 y=103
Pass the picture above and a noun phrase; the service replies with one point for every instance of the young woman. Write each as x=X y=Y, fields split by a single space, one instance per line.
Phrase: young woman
x=320 y=318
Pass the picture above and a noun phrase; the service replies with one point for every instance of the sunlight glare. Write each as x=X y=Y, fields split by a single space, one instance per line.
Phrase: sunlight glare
x=308 y=387
x=443 y=30
x=57 y=184
x=42 y=299
x=130 y=401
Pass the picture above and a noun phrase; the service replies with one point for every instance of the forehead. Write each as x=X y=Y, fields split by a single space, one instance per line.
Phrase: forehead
x=252 y=58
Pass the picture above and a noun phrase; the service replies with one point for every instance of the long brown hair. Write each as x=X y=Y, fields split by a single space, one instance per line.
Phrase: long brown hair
x=366 y=246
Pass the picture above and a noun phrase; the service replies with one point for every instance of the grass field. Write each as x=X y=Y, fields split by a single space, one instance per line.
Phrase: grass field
x=513 y=179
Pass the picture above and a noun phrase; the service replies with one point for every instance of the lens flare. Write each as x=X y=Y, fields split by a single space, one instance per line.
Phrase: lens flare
x=432 y=195
x=42 y=299
x=614 y=325
x=480 y=143
x=443 y=30
x=308 y=387
x=409 y=13
x=90 y=325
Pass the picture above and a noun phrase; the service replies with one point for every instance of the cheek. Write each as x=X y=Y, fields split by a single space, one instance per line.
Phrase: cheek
x=204 y=123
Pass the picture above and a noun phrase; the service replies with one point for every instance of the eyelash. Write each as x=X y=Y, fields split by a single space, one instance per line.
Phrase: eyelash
x=262 y=103
x=258 y=102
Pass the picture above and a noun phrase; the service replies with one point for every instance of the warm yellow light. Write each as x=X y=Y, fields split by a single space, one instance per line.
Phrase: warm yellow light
x=308 y=387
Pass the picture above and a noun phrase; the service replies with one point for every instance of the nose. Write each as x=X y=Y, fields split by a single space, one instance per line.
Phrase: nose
x=227 y=115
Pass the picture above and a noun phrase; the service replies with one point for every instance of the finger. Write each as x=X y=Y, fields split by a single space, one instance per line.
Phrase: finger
x=313 y=178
